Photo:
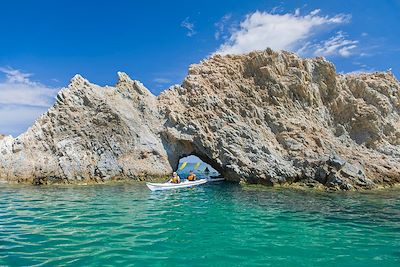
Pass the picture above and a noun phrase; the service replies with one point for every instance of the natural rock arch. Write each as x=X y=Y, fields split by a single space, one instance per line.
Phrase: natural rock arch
x=264 y=117
x=178 y=148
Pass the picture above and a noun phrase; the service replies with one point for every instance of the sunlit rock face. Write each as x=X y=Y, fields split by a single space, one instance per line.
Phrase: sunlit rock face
x=265 y=117
x=91 y=133
x=274 y=118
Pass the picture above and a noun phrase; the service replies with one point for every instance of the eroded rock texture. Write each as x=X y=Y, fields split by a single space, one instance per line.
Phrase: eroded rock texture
x=91 y=133
x=266 y=117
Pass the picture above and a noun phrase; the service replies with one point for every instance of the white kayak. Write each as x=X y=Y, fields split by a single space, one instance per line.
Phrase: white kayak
x=166 y=186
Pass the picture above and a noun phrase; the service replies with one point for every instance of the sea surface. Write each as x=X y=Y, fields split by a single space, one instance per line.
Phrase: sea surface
x=220 y=224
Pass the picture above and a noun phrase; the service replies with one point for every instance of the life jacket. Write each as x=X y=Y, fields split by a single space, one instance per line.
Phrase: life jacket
x=175 y=180
x=191 y=177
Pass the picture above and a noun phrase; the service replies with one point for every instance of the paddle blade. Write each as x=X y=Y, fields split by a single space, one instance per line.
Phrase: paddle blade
x=182 y=166
x=197 y=165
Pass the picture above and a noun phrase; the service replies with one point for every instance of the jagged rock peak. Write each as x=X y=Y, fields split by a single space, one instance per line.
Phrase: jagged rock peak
x=78 y=81
x=123 y=77
x=267 y=117
x=124 y=81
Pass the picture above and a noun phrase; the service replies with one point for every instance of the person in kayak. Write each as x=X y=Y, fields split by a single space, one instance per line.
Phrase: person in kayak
x=191 y=177
x=175 y=178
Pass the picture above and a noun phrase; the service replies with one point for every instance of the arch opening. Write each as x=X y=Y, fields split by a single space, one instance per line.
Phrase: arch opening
x=201 y=168
x=179 y=147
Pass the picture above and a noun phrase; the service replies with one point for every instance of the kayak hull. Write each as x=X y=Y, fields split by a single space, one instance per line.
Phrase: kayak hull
x=168 y=186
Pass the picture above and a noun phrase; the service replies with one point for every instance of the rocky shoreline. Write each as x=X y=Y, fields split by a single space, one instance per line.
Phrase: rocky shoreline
x=266 y=117
x=308 y=186
x=50 y=181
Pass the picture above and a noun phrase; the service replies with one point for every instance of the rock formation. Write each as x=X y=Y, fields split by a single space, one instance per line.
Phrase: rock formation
x=265 y=117
x=91 y=133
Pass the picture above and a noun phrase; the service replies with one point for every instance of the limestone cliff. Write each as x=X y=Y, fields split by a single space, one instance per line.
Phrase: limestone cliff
x=91 y=133
x=266 y=117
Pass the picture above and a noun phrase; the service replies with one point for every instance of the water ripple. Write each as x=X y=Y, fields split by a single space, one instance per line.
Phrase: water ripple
x=221 y=224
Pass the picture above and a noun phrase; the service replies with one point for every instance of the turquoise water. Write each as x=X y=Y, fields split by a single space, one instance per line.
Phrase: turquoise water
x=212 y=225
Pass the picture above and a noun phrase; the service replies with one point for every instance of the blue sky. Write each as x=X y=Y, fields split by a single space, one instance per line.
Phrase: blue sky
x=44 y=43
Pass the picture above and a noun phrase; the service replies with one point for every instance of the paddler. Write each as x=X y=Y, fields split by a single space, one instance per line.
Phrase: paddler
x=175 y=178
x=192 y=176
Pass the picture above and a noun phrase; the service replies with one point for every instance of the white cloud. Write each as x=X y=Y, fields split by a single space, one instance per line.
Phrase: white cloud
x=220 y=25
x=360 y=71
x=276 y=10
x=336 y=45
x=16 y=119
x=162 y=81
x=22 y=100
x=189 y=26
x=290 y=31
x=19 y=89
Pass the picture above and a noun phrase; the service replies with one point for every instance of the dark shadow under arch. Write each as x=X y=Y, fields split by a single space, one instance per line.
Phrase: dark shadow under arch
x=180 y=148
